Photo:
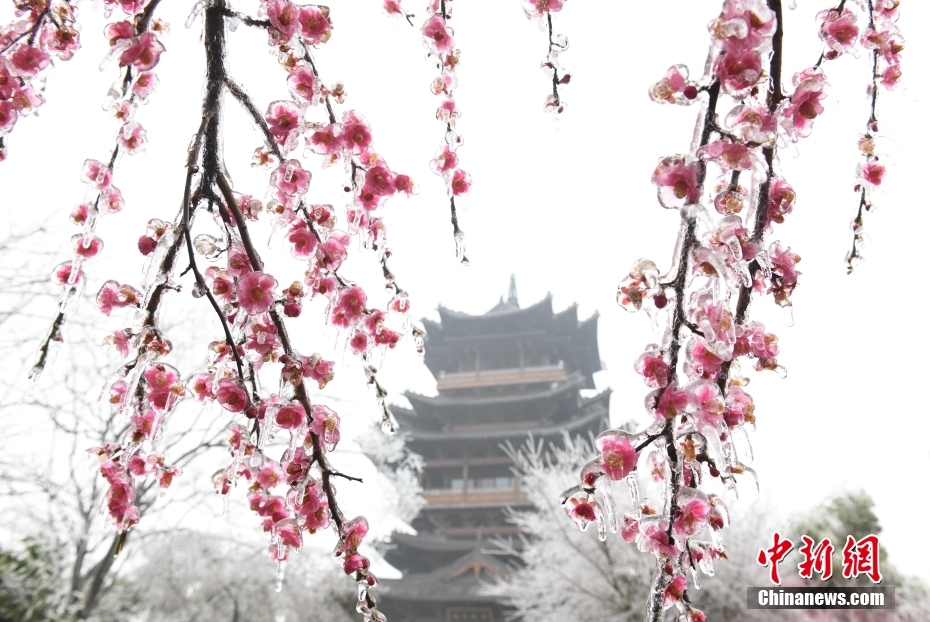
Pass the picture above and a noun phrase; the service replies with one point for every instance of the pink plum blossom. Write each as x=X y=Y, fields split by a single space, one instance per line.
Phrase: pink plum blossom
x=654 y=369
x=303 y=240
x=255 y=292
x=291 y=179
x=691 y=518
x=314 y=24
x=283 y=16
x=291 y=416
x=677 y=182
x=28 y=60
x=143 y=54
x=618 y=456
x=436 y=36
x=460 y=183
x=283 y=120
x=325 y=425
x=675 y=590
x=231 y=395
x=303 y=83
x=838 y=31
x=871 y=172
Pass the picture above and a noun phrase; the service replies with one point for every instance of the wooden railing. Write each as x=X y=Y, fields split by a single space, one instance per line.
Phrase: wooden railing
x=499 y=377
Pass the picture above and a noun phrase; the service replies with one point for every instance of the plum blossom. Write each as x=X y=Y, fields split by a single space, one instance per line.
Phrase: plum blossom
x=231 y=395
x=291 y=416
x=143 y=53
x=325 y=424
x=255 y=292
x=618 y=456
x=871 y=172
x=838 y=31
x=436 y=36
x=677 y=182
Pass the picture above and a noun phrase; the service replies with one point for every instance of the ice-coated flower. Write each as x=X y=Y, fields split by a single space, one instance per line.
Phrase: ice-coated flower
x=708 y=405
x=201 y=386
x=675 y=590
x=445 y=160
x=325 y=141
x=871 y=172
x=355 y=562
x=805 y=103
x=97 y=174
x=729 y=155
x=654 y=369
x=674 y=87
x=670 y=403
x=28 y=60
x=677 y=182
x=351 y=302
x=291 y=416
x=131 y=138
x=303 y=240
x=331 y=253
x=255 y=292
x=112 y=295
x=302 y=83
x=380 y=180
x=359 y=342
x=231 y=395
x=144 y=52
x=654 y=539
x=541 y=7
x=325 y=425
x=315 y=27
x=238 y=261
x=270 y=475
x=283 y=120
x=283 y=16
x=356 y=134
x=838 y=31
x=691 y=518
x=781 y=201
x=618 y=456
x=629 y=529
x=291 y=179
x=738 y=71
x=354 y=532
x=460 y=183
x=144 y=84
x=436 y=36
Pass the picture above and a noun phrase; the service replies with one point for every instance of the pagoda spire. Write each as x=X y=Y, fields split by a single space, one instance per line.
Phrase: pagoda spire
x=512 y=292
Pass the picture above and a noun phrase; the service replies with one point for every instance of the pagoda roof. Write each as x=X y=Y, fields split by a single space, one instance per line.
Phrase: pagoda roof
x=442 y=402
x=571 y=339
x=593 y=409
x=459 y=581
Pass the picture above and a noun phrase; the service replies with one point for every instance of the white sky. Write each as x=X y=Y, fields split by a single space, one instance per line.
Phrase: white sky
x=569 y=211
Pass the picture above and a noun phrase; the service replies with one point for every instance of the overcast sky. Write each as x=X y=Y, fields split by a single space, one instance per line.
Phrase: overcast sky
x=569 y=209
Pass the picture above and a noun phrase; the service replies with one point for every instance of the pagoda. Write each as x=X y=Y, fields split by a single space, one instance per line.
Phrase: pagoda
x=500 y=376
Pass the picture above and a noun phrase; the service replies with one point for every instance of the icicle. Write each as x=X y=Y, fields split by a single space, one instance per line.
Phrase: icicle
x=279 y=575
x=460 y=249
x=610 y=505
x=745 y=435
x=633 y=486
x=696 y=577
x=195 y=11
x=788 y=311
